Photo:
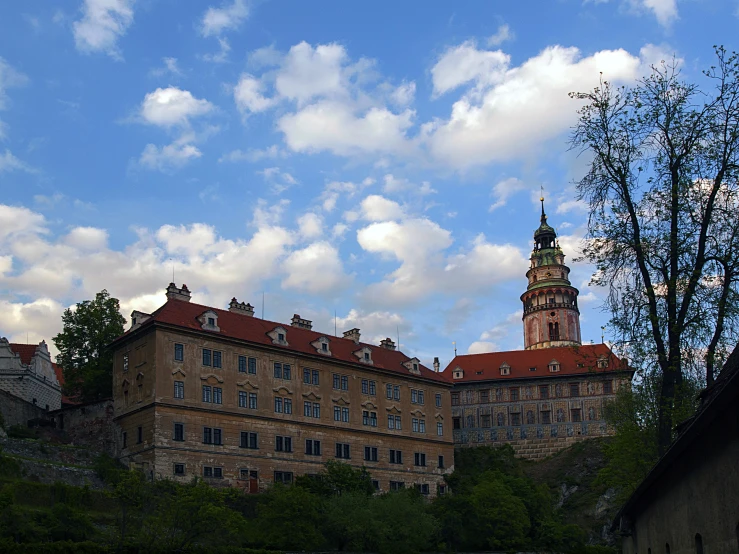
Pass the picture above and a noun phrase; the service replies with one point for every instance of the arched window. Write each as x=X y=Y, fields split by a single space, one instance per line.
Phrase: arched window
x=698 y=544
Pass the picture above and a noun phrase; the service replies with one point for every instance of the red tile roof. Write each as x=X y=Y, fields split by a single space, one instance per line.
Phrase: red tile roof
x=60 y=377
x=26 y=351
x=254 y=330
x=573 y=360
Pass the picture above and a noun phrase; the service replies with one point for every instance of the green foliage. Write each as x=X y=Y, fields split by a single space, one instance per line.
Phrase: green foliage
x=338 y=478
x=2 y=421
x=109 y=469
x=22 y=432
x=8 y=466
x=288 y=518
x=86 y=361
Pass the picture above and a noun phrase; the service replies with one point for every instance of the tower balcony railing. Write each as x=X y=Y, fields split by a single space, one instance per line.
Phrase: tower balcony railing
x=549 y=306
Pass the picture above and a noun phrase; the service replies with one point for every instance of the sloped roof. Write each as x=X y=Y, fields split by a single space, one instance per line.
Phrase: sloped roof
x=573 y=360
x=25 y=351
x=252 y=329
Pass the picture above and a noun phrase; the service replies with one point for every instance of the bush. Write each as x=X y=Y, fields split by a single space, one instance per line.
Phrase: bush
x=22 y=432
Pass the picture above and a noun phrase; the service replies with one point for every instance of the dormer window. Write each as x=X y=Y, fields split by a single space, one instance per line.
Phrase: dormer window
x=602 y=363
x=209 y=321
x=458 y=373
x=505 y=369
x=278 y=336
x=281 y=337
x=324 y=347
x=415 y=366
x=554 y=366
x=365 y=355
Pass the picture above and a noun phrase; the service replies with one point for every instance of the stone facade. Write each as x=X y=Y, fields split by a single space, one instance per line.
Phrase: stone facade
x=172 y=397
x=689 y=502
x=16 y=411
x=90 y=425
x=27 y=372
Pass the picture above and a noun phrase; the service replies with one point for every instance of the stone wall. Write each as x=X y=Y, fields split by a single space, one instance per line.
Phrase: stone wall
x=89 y=425
x=16 y=411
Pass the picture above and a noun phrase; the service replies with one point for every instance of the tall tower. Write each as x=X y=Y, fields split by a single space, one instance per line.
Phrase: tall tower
x=550 y=313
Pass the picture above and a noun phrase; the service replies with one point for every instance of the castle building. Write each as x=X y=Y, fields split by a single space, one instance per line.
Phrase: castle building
x=27 y=372
x=550 y=394
x=243 y=401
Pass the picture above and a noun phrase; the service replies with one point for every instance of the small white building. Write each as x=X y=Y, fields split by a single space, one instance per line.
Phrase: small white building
x=27 y=372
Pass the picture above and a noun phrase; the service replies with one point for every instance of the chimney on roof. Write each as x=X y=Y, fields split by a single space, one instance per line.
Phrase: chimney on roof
x=178 y=294
x=302 y=323
x=437 y=365
x=241 y=307
x=352 y=334
x=387 y=343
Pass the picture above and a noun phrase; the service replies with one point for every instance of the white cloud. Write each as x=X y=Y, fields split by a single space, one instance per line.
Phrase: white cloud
x=315 y=269
x=481 y=347
x=278 y=180
x=171 y=106
x=395 y=185
x=170 y=67
x=227 y=17
x=253 y=154
x=404 y=94
x=309 y=72
x=86 y=238
x=379 y=208
x=664 y=10
x=510 y=112
x=102 y=24
x=8 y=162
x=222 y=55
x=248 y=95
x=503 y=34
x=376 y=325
x=503 y=190
x=170 y=157
x=310 y=225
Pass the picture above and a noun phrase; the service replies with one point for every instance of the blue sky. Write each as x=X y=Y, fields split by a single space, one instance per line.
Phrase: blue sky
x=377 y=160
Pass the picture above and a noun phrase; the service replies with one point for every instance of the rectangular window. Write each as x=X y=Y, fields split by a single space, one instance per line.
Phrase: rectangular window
x=397 y=485
x=389 y=391
x=252 y=400
x=345 y=415
x=248 y=440
x=513 y=394
x=312 y=409
x=441 y=462
x=217 y=436
x=242 y=364
x=376 y=484
x=576 y=415
x=316 y=410
x=398 y=426
x=390 y=422
x=179 y=352
x=306 y=376
x=438 y=400
x=207 y=435
x=442 y=489
x=423 y=488
x=283 y=444
x=284 y=477
x=286 y=372
x=125 y=362
x=337 y=413
x=544 y=391
x=314 y=376
x=419 y=459
x=370 y=453
x=179 y=469
x=288 y=406
x=337 y=381
x=574 y=389
x=207 y=393
x=217 y=359
x=242 y=399
x=414 y=396
x=515 y=419
x=206 y=356
x=179 y=432
x=396 y=392
x=373 y=388
x=455 y=399
x=414 y=425
x=396 y=457
x=207 y=471
x=365 y=386
x=607 y=387
x=546 y=417
x=369 y=418
x=456 y=423
x=218 y=473
x=484 y=396
x=485 y=421
x=312 y=447
x=440 y=429
x=125 y=439
x=278 y=370
x=140 y=435
x=342 y=450
x=253 y=366
x=278 y=405
x=421 y=425
x=179 y=389
x=217 y=395
x=344 y=382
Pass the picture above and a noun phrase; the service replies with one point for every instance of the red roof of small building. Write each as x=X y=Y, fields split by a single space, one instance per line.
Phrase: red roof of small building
x=573 y=360
x=25 y=351
x=254 y=330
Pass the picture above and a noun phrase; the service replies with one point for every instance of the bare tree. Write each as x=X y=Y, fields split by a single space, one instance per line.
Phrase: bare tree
x=663 y=196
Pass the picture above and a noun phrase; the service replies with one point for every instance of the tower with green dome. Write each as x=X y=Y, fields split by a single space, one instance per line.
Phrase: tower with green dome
x=550 y=313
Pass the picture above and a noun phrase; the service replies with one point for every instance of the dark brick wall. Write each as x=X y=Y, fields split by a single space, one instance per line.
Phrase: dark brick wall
x=17 y=411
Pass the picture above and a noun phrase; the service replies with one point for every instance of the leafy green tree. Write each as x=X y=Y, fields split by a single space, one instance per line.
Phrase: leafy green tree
x=348 y=522
x=338 y=478
x=501 y=517
x=86 y=360
x=663 y=192
x=403 y=523
x=288 y=518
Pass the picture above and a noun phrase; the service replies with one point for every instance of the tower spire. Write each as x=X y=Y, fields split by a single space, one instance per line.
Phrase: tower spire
x=543 y=215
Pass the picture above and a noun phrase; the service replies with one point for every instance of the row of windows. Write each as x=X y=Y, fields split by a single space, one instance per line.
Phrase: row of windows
x=287 y=477
x=250 y=440
x=514 y=393
x=545 y=417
